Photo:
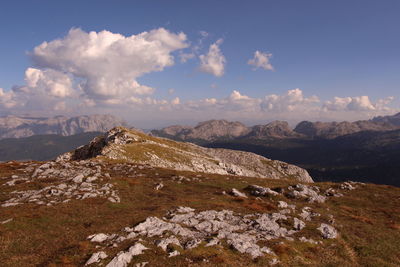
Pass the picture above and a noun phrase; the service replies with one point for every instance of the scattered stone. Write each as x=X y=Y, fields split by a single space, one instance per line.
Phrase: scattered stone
x=213 y=242
x=307 y=214
x=78 y=179
x=256 y=190
x=98 y=238
x=192 y=243
x=282 y=204
x=237 y=193
x=305 y=191
x=186 y=226
x=124 y=258
x=173 y=254
x=163 y=243
x=330 y=192
x=184 y=210
x=6 y=221
x=96 y=257
x=71 y=184
x=327 y=231
x=347 y=186
x=159 y=186
x=298 y=224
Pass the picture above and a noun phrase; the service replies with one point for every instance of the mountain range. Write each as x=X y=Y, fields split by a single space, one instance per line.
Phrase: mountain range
x=21 y=126
x=366 y=151
x=214 y=130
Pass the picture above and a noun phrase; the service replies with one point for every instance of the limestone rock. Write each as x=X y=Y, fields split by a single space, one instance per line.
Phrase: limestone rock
x=96 y=257
x=237 y=193
x=327 y=231
x=98 y=237
x=261 y=191
x=124 y=258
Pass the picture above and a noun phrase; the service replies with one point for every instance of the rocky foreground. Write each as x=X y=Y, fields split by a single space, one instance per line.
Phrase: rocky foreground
x=99 y=213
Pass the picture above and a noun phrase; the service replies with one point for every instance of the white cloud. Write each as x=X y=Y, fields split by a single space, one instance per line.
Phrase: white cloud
x=261 y=60
x=184 y=57
x=175 y=101
x=7 y=99
x=109 y=63
x=171 y=91
x=91 y=70
x=291 y=101
x=358 y=103
x=214 y=61
x=49 y=82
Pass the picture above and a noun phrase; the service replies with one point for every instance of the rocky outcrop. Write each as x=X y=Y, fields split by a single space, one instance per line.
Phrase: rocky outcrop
x=121 y=144
x=187 y=229
x=17 y=127
x=73 y=181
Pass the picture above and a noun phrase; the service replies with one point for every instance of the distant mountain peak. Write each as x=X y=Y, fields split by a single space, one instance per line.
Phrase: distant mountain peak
x=17 y=127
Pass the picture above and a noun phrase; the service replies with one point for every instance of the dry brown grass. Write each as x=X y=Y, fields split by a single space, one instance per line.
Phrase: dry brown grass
x=367 y=219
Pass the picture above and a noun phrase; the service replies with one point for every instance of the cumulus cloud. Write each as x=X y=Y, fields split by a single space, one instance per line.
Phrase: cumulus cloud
x=7 y=99
x=261 y=60
x=108 y=63
x=50 y=82
x=214 y=61
x=358 y=103
x=91 y=69
x=290 y=101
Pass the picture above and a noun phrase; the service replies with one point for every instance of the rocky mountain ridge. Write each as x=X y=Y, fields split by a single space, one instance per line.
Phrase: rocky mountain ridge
x=19 y=126
x=124 y=145
x=214 y=130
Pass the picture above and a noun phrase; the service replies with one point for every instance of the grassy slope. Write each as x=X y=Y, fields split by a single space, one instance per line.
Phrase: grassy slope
x=368 y=220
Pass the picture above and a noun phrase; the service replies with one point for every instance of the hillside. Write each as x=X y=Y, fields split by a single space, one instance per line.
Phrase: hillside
x=19 y=126
x=127 y=145
x=124 y=214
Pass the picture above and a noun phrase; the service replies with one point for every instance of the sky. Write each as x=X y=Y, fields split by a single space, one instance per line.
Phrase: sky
x=156 y=63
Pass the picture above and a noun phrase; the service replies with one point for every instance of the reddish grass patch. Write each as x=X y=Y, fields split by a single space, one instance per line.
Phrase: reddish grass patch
x=362 y=219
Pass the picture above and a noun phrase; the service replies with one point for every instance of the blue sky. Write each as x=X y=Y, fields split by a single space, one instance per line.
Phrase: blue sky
x=325 y=48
